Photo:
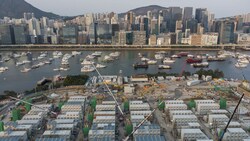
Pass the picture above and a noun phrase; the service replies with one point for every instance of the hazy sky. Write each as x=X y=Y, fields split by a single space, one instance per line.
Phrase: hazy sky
x=221 y=8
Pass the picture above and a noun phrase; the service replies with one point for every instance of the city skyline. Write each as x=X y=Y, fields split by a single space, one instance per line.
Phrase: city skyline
x=233 y=7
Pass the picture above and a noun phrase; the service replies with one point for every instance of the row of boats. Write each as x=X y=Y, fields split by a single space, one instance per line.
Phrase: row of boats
x=89 y=65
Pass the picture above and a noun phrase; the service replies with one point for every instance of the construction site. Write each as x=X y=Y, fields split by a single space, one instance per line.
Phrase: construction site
x=135 y=108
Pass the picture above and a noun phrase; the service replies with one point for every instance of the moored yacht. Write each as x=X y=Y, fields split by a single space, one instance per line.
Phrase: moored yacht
x=87 y=68
x=100 y=66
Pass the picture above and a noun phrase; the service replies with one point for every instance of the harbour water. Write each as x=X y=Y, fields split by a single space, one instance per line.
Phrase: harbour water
x=15 y=80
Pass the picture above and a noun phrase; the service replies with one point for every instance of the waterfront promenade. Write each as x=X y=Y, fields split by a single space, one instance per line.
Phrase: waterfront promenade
x=119 y=47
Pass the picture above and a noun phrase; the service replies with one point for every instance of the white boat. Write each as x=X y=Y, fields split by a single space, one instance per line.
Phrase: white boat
x=151 y=62
x=86 y=62
x=164 y=67
x=97 y=54
x=40 y=57
x=190 y=56
x=114 y=54
x=144 y=59
x=57 y=54
x=240 y=65
x=56 y=69
x=19 y=63
x=90 y=57
x=63 y=69
x=159 y=56
x=40 y=64
x=3 y=69
x=168 y=60
x=108 y=58
x=43 y=55
x=139 y=54
x=26 y=61
x=87 y=69
x=17 y=55
x=100 y=66
x=47 y=62
x=65 y=62
x=161 y=52
x=25 y=70
x=76 y=53
x=243 y=60
x=175 y=56
x=34 y=59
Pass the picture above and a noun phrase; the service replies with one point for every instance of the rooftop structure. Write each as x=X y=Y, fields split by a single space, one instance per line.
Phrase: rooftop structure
x=148 y=138
x=174 y=102
x=180 y=112
x=144 y=113
x=104 y=119
x=58 y=133
x=173 y=107
x=21 y=135
x=219 y=119
x=104 y=113
x=204 y=108
x=105 y=107
x=148 y=130
x=138 y=107
x=192 y=134
x=235 y=134
x=183 y=120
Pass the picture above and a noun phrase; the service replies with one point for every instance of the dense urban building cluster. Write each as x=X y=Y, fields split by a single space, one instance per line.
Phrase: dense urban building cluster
x=173 y=25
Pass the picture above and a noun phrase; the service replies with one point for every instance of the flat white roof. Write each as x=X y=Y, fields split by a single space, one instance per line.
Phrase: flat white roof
x=13 y=133
x=23 y=126
x=184 y=116
x=180 y=111
x=57 y=132
x=196 y=124
x=218 y=116
x=219 y=111
x=233 y=123
x=104 y=117
x=236 y=130
x=60 y=121
x=204 y=100
x=135 y=102
x=28 y=121
x=191 y=131
x=104 y=112
x=172 y=101
x=64 y=125
x=208 y=104
x=140 y=112
x=137 y=117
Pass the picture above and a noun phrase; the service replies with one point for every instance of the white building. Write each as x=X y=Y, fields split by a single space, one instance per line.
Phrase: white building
x=235 y=134
x=148 y=130
x=108 y=102
x=139 y=78
x=220 y=111
x=58 y=133
x=104 y=113
x=136 y=118
x=179 y=112
x=209 y=39
x=135 y=102
x=33 y=117
x=101 y=131
x=192 y=134
x=105 y=107
x=174 y=102
x=19 y=135
x=209 y=101
x=71 y=108
x=243 y=38
x=205 y=108
x=173 y=107
x=104 y=119
x=183 y=120
x=139 y=107
x=65 y=121
x=129 y=89
x=217 y=119
x=143 y=113
x=70 y=115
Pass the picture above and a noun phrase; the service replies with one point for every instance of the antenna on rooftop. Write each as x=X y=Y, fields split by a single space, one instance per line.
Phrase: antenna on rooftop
x=31 y=104
x=109 y=91
x=142 y=122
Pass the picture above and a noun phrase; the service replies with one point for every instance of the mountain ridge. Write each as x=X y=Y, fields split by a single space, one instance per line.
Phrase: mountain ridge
x=16 y=8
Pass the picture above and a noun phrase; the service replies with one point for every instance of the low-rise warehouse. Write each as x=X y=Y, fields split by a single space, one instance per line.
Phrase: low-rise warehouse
x=192 y=134
x=174 y=102
x=183 y=120
x=204 y=108
x=104 y=113
x=148 y=130
x=143 y=113
x=235 y=134
x=180 y=112
x=139 y=107
x=101 y=131
x=57 y=133
x=170 y=107
x=104 y=119
x=105 y=107
x=217 y=119
x=19 y=135
x=70 y=115
x=148 y=138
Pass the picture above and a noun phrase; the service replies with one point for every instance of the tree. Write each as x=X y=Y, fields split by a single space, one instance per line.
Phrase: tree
x=90 y=117
x=191 y=104
x=161 y=105
x=128 y=129
x=223 y=103
x=126 y=106
x=85 y=131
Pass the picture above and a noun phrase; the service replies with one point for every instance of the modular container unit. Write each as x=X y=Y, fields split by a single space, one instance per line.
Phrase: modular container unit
x=205 y=108
x=192 y=134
